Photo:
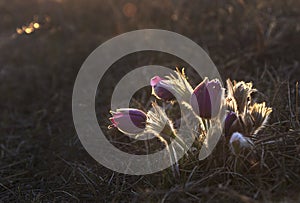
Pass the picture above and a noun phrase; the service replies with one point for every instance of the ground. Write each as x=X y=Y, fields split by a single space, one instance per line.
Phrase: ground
x=41 y=157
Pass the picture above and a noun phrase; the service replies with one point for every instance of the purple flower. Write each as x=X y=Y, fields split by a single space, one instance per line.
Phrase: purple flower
x=230 y=119
x=206 y=98
x=161 y=89
x=129 y=120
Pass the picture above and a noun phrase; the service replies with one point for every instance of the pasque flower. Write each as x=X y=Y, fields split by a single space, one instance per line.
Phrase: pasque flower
x=161 y=89
x=252 y=116
x=206 y=98
x=129 y=120
x=243 y=120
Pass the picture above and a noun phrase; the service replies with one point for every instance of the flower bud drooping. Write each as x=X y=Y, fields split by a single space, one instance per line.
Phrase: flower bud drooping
x=129 y=120
x=161 y=89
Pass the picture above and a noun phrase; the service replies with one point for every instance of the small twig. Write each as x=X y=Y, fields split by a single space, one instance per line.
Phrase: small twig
x=12 y=192
x=297 y=104
x=290 y=103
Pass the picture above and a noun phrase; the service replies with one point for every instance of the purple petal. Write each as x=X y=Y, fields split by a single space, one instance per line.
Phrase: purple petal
x=215 y=92
x=130 y=121
x=163 y=93
x=200 y=100
x=155 y=80
x=230 y=118
x=138 y=118
x=206 y=98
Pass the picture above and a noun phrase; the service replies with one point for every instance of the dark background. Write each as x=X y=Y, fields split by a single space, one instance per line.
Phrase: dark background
x=41 y=158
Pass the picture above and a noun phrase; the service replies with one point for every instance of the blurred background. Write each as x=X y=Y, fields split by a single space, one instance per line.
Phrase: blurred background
x=43 y=44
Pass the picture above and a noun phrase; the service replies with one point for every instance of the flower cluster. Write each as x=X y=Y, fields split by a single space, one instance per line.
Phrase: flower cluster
x=208 y=106
x=245 y=117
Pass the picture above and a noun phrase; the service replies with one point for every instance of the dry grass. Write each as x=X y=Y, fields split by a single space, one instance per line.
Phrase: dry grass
x=41 y=158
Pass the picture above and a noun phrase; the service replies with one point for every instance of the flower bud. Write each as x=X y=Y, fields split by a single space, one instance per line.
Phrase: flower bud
x=206 y=98
x=129 y=120
x=238 y=142
x=161 y=89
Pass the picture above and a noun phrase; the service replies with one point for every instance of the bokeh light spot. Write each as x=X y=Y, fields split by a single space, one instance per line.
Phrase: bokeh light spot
x=19 y=31
x=36 y=25
x=129 y=10
x=29 y=30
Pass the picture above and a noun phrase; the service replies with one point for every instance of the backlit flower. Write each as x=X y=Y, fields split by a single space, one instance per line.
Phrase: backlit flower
x=161 y=89
x=260 y=114
x=239 y=95
x=129 y=120
x=206 y=98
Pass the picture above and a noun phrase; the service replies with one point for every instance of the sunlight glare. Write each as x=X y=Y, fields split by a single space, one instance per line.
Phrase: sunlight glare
x=19 y=31
x=29 y=30
x=36 y=25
